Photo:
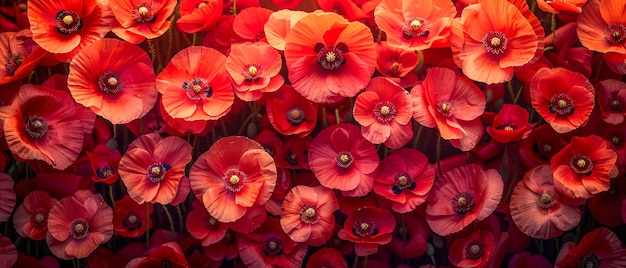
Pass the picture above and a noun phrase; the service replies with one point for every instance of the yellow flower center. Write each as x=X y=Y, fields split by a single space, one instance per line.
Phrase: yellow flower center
x=132 y=219
x=272 y=245
x=143 y=11
x=475 y=249
x=384 y=110
x=112 y=81
x=546 y=199
x=68 y=19
x=462 y=201
x=495 y=41
x=415 y=25
x=79 y=228
x=310 y=212
x=402 y=180
x=615 y=34
x=39 y=218
x=156 y=171
x=445 y=107
x=508 y=128
x=364 y=226
x=197 y=88
x=344 y=159
x=331 y=56
x=395 y=66
x=201 y=5
x=581 y=163
x=234 y=179
x=562 y=103
x=252 y=70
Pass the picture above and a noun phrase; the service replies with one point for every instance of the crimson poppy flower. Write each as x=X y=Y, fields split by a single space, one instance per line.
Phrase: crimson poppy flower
x=405 y=177
x=254 y=69
x=19 y=55
x=396 y=64
x=525 y=259
x=226 y=249
x=30 y=218
x=598 y=248
x=474 y=250
x=130 y=218
x=249 y=24
x=279 y=25
x=179 y=126
x=199 y=15
x=202 y=226
x=510 y=124
x=415 y=25
x=7 y=197
x=290 y=113
x=270 y=246
x=342 y=159
x=78 y=224
x=582 y=168
x=368 y=227
x=603 y=205
x=539 y=209
x=540 y=145
x=49 y=183
x=611 y=99
x=294 y=153
x=616 y=62
x=563 y=98
x=169 y=255
x=193 y=90
x=232 y=176
x=451 y=103
x=307 y=214
x=410 y=238
x=222 y=36
x=327 y=257
x=104 y=164
x=152 y=168
x=137 y=20
x=68 y=26
x=461 y=196
x=329 y=58
x=505 y=40
x=384 y=112
x=8 y=252
x=601 y=26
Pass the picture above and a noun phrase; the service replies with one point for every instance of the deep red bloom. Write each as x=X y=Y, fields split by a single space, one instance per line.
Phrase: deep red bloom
x=410 y=239
x=7 y=197
x=30 y=218
x=474 y=250
x=169 y=255
x=307 y=214
x=8 y=252
x=254 y=69
x=603 y=205
x=368 y=227
x=49 y=183
x=19 y=55
x=327 y=257
x=612 y=99
x=270 y=246
x=397 y=64
x=199 y=15
x=290 y=113
x=130 y=218
x=542 y=143
x=510 y=124
x=525 y=259
x=294 y=153
x=104 y=164
x=137 y=20
x=202 y=226
x=598 y=248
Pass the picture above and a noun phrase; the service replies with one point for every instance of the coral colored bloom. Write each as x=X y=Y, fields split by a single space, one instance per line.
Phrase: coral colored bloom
x=136 y=20
x=249 y=24
x=199 y=15
x=491 y=39
x=612 y=99
x=307 y=214
x=598 y=248
x=342 y=159
x=7 y=197
x=556 y=6
x=541 y=211
x=130 y=218
x=290 y=113
x=384 y=112
x=397 y=64
x=104 y=164
x=328 y=57
x=114 y=79
x=510 y=124
x=77 y=225
x=152 y=168
x=451 y=103
x=194 y=90
x=474 y=250
x=368 y=227
x=327 y=257
x=254 y=69
x=279 y=25
x=269 y=246
x=235 y=174
x=582 y=168
x=461 y=196
x=563 y=98
x=415 y=25
x=602 y=26
x=405 y=177
x=31 y=217
x=19 y=55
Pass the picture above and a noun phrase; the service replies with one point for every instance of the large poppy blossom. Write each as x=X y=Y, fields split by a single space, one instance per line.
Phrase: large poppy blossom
x=601 y=26
x=598 y=248
x=137 y=20
x=307 y=214
x=254 y=69
x=279 y=24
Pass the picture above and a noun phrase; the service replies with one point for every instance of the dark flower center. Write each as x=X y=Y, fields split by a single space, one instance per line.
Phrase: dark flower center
x=291 y=158
x=14 y=60
x=589 y=261
x=445 y=108
x=331 y=58
x=104 y=172
x=547 y=200
x=234 y=180
x=68 y=21
x=344 y=159
x=36 y=127
x=252 y=73
x=402 y=181
x=384 y=111
x=197 y=89
x=581 y=164
x=79 y=228
x=39 y=218
x=561 y=104
x=132 y=221
x=110 y=82
x=462 y=202
x=156 y=172
x=615 y=34
x=364 y=227
x=617 y=140
x=272 y=247
x=415 y=27
x=475 y=250
x=295 y=116
x=213 y=223
x=143 y=13
x=495 y=43
x=403 y=233
x=309 y=214
x=616 y=105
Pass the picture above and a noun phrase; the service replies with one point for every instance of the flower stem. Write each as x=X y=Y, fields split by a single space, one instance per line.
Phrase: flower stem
x=337 y=116
x=148 y=229
x=324 y=119
x=365 y=262
x=553 y=28
x=111 y=196
x=439 y=153
x=169 y=218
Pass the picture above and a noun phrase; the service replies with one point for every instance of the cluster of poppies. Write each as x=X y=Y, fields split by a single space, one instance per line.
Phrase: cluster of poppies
x=326 y=133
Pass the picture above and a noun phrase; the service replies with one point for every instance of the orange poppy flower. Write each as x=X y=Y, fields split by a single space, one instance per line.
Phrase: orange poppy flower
x=254 y=69
x=193 y=90
x=491 y=39
x=328 y=57
x=602 y=26
x=249 y=24
x=279 y=24
x=114 y=79
x=415 y=25
x=137 y=20
x=199 y=15
x=307 y=214
x=556 y=6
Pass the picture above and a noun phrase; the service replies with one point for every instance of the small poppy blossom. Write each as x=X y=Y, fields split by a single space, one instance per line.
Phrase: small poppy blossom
x=249 y=24
x=541 y=211
x=137 y=20
x=368 y=227
x=19 y=55
x=193 y=90
x=31 y=217
x=254 y=69
x=396 y=64
x=557 y=6
x=612 y=99
x=603 y=205
x=415 y=25
x=601 y=26
x=290 y=113
x=410 y=238
x=169 y=254
x=7 y=197
x=327 y=257
x=510 y=124
x=269 y=246
x=452 y=104
x=104 y=164
x=384 y=112
x=294 y=153
x=405 y=177
x=582 y=168
x=490 y=39
x=342 y=159
x=8 y=252
x=202 y=226
x=307 y=214
x=130 y=218
x=235 y=174
x=474 y=250
x=153 y=167
x=563 y=98
x=279 y=24
x=199 y=15
x=78 y=224
x=598 y=248
x=540 y=145
x=461 y=196
x=329 y=58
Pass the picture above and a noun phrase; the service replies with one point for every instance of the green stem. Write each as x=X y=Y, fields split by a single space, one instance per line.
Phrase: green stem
x=439 y=153
x=111 y=196
x=169 y=218
x=337 y=118
x=148 y=229
x=553 y=28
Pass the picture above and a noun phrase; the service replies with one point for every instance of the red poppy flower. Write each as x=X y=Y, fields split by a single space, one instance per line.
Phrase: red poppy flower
x=611 y=99
x=42 y=124
x=368 y=227
x=130 y=218
x=8 y=252
x=67 y=26
x=328 y=57
x=451 y=103
x=415 y=25
x=474 y=250
x=204 y=227
x=30 y=218
x=104 y=164
x=601 y=26
x=598 y=248
x=199 y=15
x=19 y=55
x=539 y=209
x=7 y=197
x=78 y=225
x=410 y=238
x=279 y=25
x=405 y=177
x=510 y=124
x=49 y=183
x=396 y=64
x=307 y=214
x=254 y=69
x=491 y=39
x=556 y=6
x=290 y=113
x=152 y=168
x=193 y=90
x=169 y=255
x=461 y=196
x=603 y=205
x=342 y=159
x=353 y=10
x=616 y=62
x=525 y=259
x=232 y=176
x=327 y=257
x=563 y=98
x=137 y=20
x=294 y=153
x=384 y=112
x=582 y=168
x=269 y=246
x=250 y=22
